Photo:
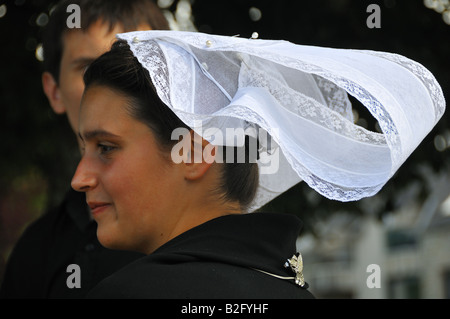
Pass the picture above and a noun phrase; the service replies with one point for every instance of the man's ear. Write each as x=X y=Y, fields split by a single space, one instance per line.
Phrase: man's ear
x=201 y=156
x=52 y=91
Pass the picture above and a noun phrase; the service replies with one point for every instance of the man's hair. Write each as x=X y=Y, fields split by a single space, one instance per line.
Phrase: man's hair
x=128 y=13
x=118 y=69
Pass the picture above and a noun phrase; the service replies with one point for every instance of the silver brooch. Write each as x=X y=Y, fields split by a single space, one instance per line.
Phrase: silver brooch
x=296 y=265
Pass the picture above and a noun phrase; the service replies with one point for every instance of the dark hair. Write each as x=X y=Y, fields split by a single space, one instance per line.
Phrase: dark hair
x=119 y=70
x=130 y=14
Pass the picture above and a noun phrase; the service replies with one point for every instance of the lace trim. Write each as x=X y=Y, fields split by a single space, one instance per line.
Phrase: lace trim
x=308 y=108
x=336 y=98
x=335 y=117
x=377 y=110
x=367 y=99
x=425 y=76
x=150 y=55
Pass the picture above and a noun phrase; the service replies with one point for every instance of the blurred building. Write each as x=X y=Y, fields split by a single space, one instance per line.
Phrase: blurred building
x=411 y=246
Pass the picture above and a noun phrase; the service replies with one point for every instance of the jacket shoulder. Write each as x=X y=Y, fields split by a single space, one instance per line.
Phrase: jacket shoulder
x=194 y=279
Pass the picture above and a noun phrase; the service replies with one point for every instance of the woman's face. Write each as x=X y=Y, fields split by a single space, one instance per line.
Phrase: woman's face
x=131 y=188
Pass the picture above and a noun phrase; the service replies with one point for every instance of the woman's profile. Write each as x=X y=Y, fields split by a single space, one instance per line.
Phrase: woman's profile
x=191 y=217
x=142 y=201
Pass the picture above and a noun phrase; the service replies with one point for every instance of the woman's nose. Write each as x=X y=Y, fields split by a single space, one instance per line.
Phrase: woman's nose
x=85 y=177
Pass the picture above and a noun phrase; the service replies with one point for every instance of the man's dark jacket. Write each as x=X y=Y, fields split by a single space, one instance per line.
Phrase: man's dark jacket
x=37 y=267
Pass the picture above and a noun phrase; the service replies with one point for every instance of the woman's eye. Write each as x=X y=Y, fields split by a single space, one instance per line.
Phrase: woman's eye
x=105 y=149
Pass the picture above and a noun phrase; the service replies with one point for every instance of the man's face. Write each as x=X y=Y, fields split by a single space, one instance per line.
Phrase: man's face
x=79 y=50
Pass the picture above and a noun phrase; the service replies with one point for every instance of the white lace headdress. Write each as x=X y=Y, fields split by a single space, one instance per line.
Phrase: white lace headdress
x=298 y=94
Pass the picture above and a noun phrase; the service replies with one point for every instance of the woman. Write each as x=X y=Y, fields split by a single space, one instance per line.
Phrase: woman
x=145 y=202
x=163 y=175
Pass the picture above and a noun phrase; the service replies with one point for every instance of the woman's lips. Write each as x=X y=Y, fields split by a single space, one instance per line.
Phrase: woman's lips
x=97 y=207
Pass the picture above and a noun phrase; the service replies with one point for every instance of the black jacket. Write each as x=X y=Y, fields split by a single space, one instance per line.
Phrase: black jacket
x=215 y=260
x=37 y=267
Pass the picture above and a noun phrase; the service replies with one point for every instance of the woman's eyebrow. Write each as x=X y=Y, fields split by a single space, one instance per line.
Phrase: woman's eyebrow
x=95 y=134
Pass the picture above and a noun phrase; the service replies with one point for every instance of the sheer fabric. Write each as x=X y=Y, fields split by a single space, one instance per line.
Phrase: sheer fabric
x=299 y=96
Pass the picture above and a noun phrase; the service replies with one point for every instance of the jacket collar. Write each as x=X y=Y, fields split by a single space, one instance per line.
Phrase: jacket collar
x=262 y=241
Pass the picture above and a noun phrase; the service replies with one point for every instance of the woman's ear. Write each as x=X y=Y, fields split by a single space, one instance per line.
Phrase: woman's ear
x=200 y=157
x=51 y=90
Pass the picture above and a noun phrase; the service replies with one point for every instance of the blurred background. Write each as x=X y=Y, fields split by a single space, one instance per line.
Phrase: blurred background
x=404 y=229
